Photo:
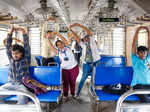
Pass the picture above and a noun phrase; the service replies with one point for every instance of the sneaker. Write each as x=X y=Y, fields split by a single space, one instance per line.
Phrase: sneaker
x=65 y=99
x=77 y=96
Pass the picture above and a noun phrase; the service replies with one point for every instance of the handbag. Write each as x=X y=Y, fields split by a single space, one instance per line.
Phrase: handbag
x=116 y=89
x=33 y=85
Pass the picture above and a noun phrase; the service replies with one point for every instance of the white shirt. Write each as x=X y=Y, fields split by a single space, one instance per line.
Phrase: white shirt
x=94 y=49
x=47 y=51
x=71 y=62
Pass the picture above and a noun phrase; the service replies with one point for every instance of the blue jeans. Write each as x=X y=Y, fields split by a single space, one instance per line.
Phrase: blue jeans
x=15 y=86
x=87 y=71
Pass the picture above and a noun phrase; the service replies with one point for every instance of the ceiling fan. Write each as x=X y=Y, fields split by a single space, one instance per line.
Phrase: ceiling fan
x=44 y=10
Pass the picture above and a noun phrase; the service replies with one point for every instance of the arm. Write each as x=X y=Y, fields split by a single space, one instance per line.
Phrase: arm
x=51 y=19
x=27 y=48
x=75 y=36
x=148 y=41
x=62 y=38
x=83 y=27
x=8 y=43
x=52 y=46
x=135 y=38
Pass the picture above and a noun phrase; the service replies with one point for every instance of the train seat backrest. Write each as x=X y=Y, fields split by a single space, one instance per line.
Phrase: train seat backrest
x=113 y=75
x=3 y=75
x=108 y=61
x=47 y=75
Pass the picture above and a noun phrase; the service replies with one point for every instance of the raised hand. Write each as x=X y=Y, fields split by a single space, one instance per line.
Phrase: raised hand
x=51 y=19
x=21 y=29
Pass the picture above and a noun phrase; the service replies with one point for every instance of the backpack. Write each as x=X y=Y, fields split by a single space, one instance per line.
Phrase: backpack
x=33 y=85
x=116 y=89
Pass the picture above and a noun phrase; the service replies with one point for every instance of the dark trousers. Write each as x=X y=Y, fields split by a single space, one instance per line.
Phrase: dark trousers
x=143 y=97
x=69 y=80
x=48 y=61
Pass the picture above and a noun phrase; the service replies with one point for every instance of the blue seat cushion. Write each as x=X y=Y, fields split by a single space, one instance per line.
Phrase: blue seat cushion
x=3 y=75
x=51 y=96
x=103 y=96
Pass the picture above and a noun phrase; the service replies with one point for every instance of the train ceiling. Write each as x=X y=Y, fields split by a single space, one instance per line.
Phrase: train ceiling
x=129 y=12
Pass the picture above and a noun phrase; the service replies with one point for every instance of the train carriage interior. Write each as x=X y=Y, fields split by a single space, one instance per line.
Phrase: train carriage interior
x=113 y=24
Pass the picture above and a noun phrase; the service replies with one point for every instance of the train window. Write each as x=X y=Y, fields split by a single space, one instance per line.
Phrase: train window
x=35 y=41
x=142 y=38
x=3 y=35
x=118 y=44
x=112 y=42
x=3 y=56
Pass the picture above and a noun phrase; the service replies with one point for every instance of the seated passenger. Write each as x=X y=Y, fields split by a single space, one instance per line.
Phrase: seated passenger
x=69 y=65
x=90 y=54
x=19 y=62
x=141 y=65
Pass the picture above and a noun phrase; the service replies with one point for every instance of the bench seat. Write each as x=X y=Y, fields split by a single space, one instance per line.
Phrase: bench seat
x=50 y=76
x=51 y=96
x=103 y=96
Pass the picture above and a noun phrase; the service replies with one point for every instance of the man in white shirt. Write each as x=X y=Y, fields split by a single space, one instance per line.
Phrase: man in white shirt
x=47 y=52
x=90 y=54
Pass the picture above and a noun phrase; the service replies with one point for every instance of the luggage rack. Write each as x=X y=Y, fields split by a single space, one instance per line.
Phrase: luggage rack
x=140 y=106
x=35 y=107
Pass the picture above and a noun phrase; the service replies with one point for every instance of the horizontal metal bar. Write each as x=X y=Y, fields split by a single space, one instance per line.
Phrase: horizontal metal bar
x=122 y=98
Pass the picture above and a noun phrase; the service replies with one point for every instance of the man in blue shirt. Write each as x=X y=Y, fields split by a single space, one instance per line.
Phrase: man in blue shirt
x=141 y=65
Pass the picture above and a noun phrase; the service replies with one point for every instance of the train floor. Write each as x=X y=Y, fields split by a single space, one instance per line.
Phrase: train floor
x=83 y=103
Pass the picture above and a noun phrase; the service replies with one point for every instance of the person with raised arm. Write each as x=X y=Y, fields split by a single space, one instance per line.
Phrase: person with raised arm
x=69 y=65
x=90 y=54
x=19 y=63
x=140 y=57
x=47 y=53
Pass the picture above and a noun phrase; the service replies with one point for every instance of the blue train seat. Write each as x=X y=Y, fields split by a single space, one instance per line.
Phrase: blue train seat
x=50 y=76
x=39 y=60
x=3 y=75
x=57 y=59
x=112 y=61
x=112 y=75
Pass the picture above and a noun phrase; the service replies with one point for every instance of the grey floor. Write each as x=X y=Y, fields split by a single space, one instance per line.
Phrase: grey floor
x=83 y=104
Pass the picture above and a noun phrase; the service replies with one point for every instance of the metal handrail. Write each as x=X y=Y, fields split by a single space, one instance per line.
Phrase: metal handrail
x=53 y=63
x=122 y=98
x=28 y=94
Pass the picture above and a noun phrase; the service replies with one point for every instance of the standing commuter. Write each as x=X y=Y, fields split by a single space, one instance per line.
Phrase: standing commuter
x=47 y=53
x=69 y=64
x=90 y=54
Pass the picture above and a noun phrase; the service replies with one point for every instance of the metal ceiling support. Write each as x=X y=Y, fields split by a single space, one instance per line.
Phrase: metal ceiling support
x=92 y=11
x=15 y=11
x=142 y=11
x=65 y=11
